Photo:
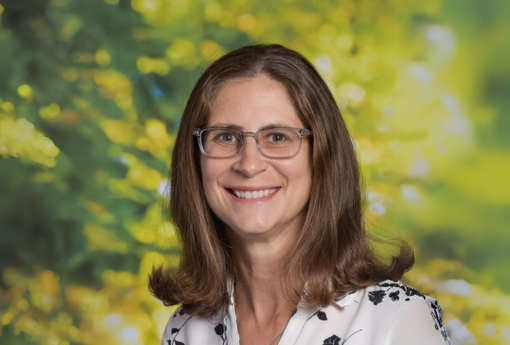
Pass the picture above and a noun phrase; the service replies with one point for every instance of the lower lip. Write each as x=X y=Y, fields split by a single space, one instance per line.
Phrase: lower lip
x=253 y=201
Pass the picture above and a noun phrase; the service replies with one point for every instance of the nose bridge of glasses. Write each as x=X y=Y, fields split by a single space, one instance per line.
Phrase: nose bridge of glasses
x=251 y=134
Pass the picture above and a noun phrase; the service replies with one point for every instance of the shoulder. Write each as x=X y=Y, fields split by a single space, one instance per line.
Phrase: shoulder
x=393 y=291
x=182 y=327
x=385 y=295
x=402 y=312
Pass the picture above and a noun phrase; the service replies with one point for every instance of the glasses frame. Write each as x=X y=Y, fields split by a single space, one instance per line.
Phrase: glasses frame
x=303 y=132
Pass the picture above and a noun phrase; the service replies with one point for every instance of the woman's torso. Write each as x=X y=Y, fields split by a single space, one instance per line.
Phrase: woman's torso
x=384 y=314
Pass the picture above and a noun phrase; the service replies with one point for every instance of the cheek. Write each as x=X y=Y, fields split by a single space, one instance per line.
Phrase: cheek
x=207 y=177
x=210 y=176
x=305 y=179
x=299 y=175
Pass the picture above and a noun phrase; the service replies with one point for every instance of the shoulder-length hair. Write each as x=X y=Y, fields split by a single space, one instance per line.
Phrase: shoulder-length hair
x=332 y=254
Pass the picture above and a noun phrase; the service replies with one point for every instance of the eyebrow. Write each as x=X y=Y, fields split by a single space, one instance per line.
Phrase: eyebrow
x=229 y=125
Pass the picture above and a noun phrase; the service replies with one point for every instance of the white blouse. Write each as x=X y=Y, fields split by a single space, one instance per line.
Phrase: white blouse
x=389 y=313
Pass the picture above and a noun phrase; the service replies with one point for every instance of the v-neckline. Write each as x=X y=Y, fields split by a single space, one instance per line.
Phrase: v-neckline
x=290 y=333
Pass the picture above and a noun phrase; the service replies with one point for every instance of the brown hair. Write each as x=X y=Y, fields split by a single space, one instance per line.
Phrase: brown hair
x=332 y=253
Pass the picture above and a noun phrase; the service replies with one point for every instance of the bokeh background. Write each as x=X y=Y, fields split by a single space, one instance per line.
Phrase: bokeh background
x=91 y=94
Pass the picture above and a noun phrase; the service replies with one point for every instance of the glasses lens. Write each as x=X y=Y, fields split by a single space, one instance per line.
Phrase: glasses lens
x=221 y=142
x=280 y=142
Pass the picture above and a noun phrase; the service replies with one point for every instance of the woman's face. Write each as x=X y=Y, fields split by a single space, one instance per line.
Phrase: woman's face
x=252 y=104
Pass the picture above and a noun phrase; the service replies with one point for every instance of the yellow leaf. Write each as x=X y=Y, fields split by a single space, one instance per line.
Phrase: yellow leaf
x=25 y=91
x=103 y=239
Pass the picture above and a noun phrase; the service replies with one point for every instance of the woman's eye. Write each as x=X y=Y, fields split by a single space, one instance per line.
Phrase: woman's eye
x=226 y=137
x=277 y=137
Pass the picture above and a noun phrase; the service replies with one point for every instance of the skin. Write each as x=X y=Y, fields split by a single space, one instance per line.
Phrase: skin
x=262 y=232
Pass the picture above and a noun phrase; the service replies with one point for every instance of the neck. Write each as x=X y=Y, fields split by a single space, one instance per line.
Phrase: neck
x=258 y=294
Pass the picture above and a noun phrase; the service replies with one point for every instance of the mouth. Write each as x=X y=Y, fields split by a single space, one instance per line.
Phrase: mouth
x=256 y=194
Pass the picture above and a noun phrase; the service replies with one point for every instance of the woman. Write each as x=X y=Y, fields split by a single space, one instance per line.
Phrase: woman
x=267 y=201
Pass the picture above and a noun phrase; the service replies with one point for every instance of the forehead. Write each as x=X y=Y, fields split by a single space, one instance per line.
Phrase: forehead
x=253 y=103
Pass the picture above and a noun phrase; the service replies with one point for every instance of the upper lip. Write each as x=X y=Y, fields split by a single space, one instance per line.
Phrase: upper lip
x=251 y=189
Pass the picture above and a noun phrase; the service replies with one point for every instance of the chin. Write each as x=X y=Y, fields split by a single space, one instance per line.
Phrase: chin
x=250 y=231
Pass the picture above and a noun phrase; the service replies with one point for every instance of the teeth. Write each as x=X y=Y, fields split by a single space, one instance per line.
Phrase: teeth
x=254 y=194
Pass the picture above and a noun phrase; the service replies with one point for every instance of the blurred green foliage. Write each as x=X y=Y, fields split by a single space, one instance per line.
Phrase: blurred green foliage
x=91 y=94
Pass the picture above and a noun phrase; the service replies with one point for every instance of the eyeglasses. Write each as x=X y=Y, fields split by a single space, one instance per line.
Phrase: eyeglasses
x=224 y=142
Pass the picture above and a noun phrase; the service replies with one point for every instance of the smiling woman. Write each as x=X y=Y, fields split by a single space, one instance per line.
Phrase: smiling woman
x=267 y=200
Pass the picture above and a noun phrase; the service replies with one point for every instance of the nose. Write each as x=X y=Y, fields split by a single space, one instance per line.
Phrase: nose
x=250 y=160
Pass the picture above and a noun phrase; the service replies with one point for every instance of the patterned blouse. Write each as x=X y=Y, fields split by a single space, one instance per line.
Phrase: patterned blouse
x=389 y=313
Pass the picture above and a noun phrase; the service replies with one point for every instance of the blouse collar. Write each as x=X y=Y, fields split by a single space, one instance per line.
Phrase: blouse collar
x=347 y=299
x=343 y=302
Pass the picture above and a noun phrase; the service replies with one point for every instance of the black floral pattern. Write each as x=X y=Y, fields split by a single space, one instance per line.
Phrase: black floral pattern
x=394 y=295
x=220 y=330
x=175 y=331
x=335 y=340
x=320 y=315
x=437 y=316
x=376 y=296
x=409 y=291
x=392 y=290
